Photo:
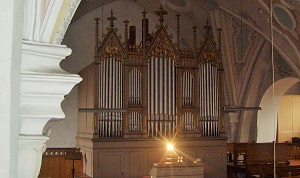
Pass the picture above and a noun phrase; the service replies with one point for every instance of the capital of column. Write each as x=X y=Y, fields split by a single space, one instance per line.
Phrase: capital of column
x=43 y=85
x=31 y=149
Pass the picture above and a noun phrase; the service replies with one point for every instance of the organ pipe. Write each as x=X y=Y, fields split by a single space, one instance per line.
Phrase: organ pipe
x=158 y=57
x=209 y=102
x=135 y=77
x=110 y=97
x=187 y=88
x=161 y=109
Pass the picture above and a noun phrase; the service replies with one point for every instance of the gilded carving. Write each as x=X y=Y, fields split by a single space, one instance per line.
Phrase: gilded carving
x=111 y=50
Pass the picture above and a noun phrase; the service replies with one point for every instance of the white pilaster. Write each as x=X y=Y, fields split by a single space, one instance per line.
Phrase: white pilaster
x=11 y=19
x=43 y=86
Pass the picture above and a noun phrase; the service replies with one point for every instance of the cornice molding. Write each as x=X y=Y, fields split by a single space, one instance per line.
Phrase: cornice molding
x=43 y=85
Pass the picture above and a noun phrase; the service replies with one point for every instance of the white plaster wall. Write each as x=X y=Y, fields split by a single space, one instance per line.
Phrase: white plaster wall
x=80 y=37
x=11 y=18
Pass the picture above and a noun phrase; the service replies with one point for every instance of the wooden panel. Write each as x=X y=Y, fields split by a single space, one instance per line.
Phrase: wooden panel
x=82 y=90
x=82 y=102
x=155 y=157
x=136 y=164
x=136 y=157
x=86 y=99
x=90 y=86
x=90 y=97
x=54 y=164
x=285 y=119
x=112 y=164
x=81 y=122
x=212 y=156
x=289 y=118
x=296 y=116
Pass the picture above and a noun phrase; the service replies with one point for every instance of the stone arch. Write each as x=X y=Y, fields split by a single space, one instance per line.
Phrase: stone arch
x=266 y=118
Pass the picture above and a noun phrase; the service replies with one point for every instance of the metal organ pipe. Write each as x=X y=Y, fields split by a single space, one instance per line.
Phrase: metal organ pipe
x=187 y=88
x=209 y=112
x=110 y=97
x=161 y=104
x=134 y=87
x=188 y=122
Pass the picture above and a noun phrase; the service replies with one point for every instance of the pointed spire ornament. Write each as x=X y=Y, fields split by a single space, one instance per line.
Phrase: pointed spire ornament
x=111 y=19
x=161 y=14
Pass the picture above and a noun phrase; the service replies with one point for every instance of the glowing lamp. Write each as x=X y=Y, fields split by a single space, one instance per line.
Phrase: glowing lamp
x=170 y=147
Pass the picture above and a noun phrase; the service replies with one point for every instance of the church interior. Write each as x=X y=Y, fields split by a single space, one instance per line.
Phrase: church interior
x=186 y=88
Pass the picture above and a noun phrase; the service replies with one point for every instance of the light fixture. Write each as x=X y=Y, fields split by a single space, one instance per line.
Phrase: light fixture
x=170 y=147
x=171 y=157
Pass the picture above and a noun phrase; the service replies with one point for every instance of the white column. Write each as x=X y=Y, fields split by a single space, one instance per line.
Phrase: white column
x=11 y=19
x=234 y=126
x=43 y=86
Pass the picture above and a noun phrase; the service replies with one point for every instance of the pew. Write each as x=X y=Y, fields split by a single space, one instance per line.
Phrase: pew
x=235 y=159
x=236 y=154
x=257 y=159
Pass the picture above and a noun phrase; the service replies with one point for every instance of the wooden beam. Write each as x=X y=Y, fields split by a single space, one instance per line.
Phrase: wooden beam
x=236 y=108
x=101 y=110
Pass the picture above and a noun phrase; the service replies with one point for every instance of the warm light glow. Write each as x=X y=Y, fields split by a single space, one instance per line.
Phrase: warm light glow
x=170 y=147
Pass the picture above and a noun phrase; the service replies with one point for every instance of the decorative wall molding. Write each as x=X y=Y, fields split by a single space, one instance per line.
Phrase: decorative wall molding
x=288 y=22
x=292 y=4
x=66 y=22
x=49 y=20
x=281 y=67
x=39 y=19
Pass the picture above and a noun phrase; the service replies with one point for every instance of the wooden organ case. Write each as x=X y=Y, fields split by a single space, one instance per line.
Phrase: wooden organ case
x=135 y=95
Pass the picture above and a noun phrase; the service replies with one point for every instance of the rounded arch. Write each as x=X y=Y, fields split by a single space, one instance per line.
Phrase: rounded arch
x=266 y=123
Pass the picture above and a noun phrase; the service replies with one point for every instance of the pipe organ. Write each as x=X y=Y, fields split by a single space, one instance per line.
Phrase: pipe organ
x=156 y=88
x=136 y=94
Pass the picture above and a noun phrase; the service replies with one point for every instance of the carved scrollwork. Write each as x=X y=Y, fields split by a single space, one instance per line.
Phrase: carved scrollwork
x=112 y=50
x=161 y=48
x=209 y=55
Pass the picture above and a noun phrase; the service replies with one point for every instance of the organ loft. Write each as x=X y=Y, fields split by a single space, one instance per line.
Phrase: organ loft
x=138 y=96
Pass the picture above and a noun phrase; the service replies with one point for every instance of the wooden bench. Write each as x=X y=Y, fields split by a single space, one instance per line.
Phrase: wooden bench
x=259 y=160
x=235 y=157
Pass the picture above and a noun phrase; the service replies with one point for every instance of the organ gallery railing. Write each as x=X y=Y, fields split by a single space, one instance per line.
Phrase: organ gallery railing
x=156 y=88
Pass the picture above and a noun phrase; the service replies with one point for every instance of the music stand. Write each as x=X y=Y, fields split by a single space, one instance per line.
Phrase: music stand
x=73 y=156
